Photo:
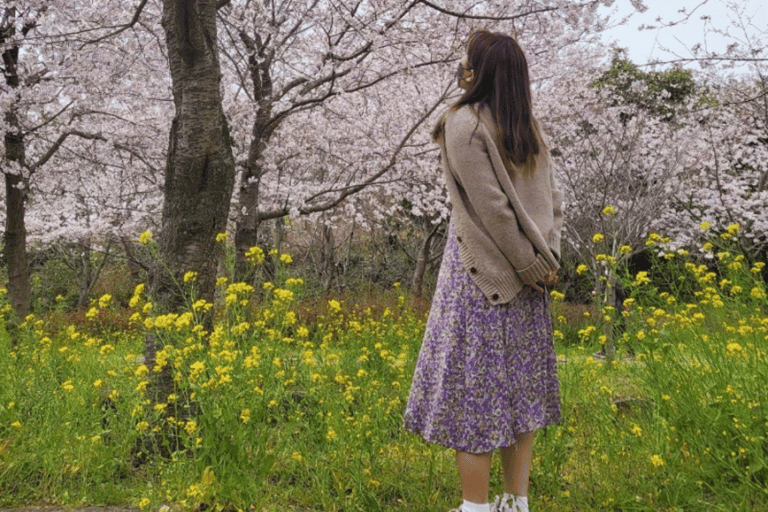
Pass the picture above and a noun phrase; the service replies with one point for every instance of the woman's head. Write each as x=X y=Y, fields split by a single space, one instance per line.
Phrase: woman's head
x=497 y=76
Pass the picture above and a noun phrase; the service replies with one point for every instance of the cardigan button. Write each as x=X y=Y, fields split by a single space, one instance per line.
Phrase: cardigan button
x=495 y=296
x=473 y=270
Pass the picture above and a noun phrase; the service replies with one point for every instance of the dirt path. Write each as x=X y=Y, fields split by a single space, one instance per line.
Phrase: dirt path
x=70 y=509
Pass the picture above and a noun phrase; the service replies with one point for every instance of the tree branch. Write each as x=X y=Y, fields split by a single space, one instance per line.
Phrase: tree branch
x=56 y=145
x=478 y=17
x=353 y=189
x=120 y=28
x=704 y=59
x=57 y=114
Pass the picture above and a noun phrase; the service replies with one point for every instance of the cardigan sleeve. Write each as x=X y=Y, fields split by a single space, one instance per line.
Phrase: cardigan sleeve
x=473 y=171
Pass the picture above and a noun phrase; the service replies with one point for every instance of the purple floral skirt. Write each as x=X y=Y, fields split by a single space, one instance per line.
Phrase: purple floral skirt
x=485 y=373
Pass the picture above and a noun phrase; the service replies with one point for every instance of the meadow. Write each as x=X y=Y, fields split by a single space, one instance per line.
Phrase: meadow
x=294 y=402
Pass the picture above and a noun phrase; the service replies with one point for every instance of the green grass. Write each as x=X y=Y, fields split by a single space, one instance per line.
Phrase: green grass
x=297 y=405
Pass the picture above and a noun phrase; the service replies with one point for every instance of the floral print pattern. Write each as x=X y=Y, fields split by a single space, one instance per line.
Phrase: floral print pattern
x=485 y=373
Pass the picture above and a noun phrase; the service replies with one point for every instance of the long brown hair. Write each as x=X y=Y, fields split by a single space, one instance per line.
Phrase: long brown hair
x=501 y=83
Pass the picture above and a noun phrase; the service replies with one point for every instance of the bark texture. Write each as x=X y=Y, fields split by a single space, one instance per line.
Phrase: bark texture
x=15 y=236
x=200 y=166
x=248 y=221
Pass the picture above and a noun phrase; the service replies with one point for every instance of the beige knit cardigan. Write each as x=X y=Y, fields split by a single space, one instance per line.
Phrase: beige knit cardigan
x=507 y=226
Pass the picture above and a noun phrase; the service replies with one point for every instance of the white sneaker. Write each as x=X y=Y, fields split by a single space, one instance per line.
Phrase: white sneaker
x=508 y=505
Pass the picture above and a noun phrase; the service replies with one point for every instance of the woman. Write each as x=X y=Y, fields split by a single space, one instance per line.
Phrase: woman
x=486 y=377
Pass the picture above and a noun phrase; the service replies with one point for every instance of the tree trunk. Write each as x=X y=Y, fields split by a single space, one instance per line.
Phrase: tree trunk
x=86 y=277
x=328 y=257
x=423 y=259
x=199 y=177
x=15 y=236
x=19 y=287
x=200 y=166
x=248 y=221
x=247 y=225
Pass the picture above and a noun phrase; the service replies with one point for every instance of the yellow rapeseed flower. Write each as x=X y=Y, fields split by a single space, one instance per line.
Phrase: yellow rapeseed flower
x=641 y=278
x=605 y=258
x=598 y=238
x=194 y=491
x=190 y=277
x=286 y=259
x=704 y=225
x=145 y=237
x=221 y=237
x=105 y=300
x=609 y=211
x=657 y=461
x=283 y=295
x=581 y=269
x=255 y=255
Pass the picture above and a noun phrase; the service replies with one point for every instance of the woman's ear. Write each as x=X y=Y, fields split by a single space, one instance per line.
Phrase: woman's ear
x=466 y=78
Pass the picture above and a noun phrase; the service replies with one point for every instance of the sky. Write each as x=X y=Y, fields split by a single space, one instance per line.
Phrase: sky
x=646 y=45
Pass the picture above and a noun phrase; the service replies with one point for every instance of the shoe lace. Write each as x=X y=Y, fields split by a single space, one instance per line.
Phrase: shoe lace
x=500 y=504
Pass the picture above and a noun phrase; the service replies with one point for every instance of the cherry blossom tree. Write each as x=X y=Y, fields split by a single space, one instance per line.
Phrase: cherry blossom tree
x=59 y=99
x=732 y=187
x=343 y=95
x=622 y=148
x=329 y=105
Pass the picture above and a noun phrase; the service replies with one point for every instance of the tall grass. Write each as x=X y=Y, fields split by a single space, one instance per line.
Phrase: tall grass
x=291 y=404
